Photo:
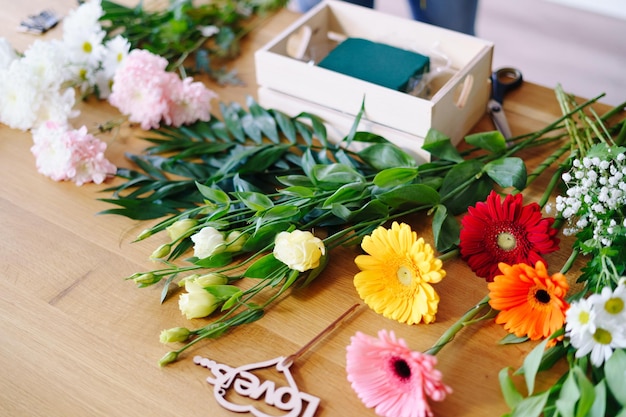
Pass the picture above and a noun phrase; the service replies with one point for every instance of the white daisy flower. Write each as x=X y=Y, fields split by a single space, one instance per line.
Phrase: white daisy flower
x=580 y=319
x=606 y=337
x=610 y=305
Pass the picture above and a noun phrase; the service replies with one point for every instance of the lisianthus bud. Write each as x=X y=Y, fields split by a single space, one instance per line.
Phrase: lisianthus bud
x=299 y=250
x=146 y=233
x=146 y=279
x=161 y=252
x=175 y=334
x=197 y=302
x=168 y=358
x=212 y=278
x=208 y=241
x=235 y=241
x=180 y=229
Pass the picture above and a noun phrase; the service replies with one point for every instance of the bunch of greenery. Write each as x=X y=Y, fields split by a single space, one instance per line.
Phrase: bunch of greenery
x=258 y=172
x=210 y=33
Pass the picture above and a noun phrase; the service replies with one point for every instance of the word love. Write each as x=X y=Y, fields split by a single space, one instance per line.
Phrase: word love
x=245 y=383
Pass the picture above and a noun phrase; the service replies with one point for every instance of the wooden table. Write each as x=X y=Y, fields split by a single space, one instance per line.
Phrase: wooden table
x=78 y=340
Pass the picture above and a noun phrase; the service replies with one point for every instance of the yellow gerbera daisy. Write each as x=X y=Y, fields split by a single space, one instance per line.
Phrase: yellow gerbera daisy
x=396 y=275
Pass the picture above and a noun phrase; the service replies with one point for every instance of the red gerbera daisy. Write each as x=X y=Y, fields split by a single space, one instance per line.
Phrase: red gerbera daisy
x=505 y=231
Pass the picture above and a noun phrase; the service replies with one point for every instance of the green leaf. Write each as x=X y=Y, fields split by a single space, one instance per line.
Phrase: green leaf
x=440 y=146
x=263 y=159
x=297 y=191
x=393 y=177
x=264 y=236
x=511 y=395
x=531 y=406
x=512 y=339
x=490 y=141
x=598 y=409
x=463 y=186
x=263 y=267
x=568 y=396
x=328 y=177
x=414 y=195
x=508 y=172
x=263 y=119
x=344 y=194
x=214 y=195
x=587 y=393
x=278 y=213
x=446 y=229
x=223 y=292
x=531 y=365
x=254 y=201
x=214 y=261
x=301 y=181
x=615 y=372
x=315 y=272
x=386 y=155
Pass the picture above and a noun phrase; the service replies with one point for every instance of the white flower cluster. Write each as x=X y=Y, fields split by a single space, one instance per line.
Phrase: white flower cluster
x=40 y=85
x=596 y=195
x=595 y=325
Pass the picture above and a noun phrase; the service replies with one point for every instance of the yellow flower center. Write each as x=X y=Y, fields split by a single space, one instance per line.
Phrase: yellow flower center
x=405 y=275
x=506 y=241
x=119 y=57
x=583 y=317
x=87 y=47
x=82 y=74
x=614 y=305
x=602 y=336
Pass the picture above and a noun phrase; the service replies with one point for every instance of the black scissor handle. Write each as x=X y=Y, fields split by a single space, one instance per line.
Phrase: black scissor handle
x=503 y=81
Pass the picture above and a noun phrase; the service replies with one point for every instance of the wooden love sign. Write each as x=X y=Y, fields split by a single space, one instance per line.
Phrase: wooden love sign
x=245 y=383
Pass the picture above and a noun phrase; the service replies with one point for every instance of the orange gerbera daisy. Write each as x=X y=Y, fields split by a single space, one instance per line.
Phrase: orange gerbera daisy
x=530 y=302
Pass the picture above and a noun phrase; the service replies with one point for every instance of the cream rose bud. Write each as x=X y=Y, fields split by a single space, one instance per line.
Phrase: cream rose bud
x=197 y=302
x=208 y=241
x=299 y=250
x=180 y=228
x=176 y=334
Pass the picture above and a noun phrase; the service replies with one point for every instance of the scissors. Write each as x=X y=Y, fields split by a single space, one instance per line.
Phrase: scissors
x=502 y=81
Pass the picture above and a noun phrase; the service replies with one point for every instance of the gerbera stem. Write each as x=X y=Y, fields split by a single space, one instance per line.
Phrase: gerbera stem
x=466 y=319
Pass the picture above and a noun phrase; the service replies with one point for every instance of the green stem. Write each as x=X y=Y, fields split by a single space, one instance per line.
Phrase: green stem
x=466 y=319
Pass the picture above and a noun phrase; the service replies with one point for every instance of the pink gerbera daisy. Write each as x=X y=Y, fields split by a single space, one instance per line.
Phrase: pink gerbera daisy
x=505 y=231
x=391 y=378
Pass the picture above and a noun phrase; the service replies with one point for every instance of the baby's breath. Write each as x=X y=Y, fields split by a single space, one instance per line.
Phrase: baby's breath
x=595 y=196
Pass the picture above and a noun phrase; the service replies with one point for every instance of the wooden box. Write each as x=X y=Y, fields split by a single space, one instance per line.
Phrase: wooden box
x=290 y=80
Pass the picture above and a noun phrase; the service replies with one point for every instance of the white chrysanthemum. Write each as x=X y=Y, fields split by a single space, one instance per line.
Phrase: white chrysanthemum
x=57 y=106
x=20 y=98
x=83 y=19
x=7 y=54
x=47 y=61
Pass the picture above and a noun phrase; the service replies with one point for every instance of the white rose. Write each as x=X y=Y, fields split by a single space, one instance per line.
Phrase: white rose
x=197 y=302
x=299 y=250
x=208 y=241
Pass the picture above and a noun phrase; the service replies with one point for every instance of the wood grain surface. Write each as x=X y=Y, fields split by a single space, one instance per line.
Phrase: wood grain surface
x=78 y=340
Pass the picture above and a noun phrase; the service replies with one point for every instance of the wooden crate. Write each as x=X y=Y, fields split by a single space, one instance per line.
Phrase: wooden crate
x=458 y=100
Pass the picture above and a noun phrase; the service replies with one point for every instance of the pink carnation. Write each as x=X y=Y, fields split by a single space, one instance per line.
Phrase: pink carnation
x=192 y=104
x=149 y=95
x=70 y=155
